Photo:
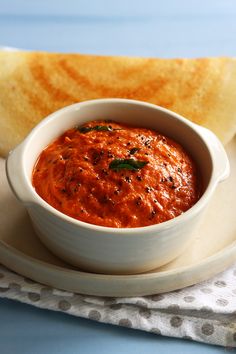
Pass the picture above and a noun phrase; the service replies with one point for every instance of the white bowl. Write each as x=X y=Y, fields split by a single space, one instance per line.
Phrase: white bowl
x=105 y=249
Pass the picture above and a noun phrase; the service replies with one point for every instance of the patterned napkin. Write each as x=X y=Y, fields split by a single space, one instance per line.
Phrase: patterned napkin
x=205 y=312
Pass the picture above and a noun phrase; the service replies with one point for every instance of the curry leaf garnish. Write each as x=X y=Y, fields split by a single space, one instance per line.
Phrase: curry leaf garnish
x=98 y=128
x=133 y=151
x=127 y=164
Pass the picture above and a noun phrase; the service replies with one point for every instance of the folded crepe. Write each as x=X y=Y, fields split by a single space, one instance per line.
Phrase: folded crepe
x=34 y=84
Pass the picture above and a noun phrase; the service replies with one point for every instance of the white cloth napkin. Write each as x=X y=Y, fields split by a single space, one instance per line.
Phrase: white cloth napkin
x=205 y=312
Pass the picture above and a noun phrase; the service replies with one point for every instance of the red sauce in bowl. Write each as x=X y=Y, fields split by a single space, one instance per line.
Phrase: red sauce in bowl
x=115 y=175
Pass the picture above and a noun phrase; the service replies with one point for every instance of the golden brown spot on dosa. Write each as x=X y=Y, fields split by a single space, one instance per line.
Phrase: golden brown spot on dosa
x=139 y=91
x=75 y=75
x=38 y=105
x=41 y=76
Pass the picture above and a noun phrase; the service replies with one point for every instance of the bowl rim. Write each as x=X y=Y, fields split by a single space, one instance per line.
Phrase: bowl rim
x=185 y=216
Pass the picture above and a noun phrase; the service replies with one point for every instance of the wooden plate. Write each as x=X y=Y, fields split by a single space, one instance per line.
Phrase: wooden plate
x=213 y=249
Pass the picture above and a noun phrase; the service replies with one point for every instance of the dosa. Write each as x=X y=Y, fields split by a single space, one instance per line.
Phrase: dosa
x=34 y=84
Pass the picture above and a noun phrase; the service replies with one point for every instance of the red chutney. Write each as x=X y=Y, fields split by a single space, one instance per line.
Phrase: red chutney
x=115 y=175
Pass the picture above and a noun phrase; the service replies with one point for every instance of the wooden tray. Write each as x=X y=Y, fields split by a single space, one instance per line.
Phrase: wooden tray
x=212 y=250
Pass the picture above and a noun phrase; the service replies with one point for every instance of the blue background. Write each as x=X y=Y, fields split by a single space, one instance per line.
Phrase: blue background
x=170 y=28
